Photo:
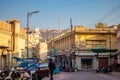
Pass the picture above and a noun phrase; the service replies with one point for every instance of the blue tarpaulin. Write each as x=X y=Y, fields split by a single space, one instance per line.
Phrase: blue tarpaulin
x=18 y=59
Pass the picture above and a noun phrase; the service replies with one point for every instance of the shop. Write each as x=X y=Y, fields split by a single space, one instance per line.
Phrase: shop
x=86 y=61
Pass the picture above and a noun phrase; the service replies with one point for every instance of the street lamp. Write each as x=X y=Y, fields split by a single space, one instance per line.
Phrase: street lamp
x=28 y=16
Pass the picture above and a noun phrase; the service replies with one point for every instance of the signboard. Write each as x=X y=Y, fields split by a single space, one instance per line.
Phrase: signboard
x=31 y=59
x=99 y=47
x=85 y=54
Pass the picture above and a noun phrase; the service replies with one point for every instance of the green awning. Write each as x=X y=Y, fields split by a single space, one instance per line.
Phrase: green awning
x=103 y=50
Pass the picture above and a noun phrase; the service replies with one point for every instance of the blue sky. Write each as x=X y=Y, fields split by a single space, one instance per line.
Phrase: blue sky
x=83 y=12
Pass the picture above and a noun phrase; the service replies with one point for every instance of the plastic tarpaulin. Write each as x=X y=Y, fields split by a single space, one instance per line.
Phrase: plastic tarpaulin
x=18 y=59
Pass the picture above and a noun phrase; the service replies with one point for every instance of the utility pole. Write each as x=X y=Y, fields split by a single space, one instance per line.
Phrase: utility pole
x=110 y=49
x=59 y=23
x=28 y=16
x=73 y=47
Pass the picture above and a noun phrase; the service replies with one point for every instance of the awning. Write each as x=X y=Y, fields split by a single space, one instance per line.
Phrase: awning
x=103 y=50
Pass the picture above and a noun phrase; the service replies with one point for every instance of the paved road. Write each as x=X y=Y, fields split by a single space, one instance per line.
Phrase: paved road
x=83 y=76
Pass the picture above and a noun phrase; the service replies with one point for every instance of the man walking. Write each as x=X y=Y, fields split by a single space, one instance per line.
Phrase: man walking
x=51 y=66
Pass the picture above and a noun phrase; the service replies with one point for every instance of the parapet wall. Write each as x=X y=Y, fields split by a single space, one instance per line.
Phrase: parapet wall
x=5 y=26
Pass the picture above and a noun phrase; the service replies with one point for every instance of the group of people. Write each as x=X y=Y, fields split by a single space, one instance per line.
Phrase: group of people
x=53 y=68
x=14 y=76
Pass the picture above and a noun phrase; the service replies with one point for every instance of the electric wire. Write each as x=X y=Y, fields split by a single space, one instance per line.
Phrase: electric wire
x=106 y=16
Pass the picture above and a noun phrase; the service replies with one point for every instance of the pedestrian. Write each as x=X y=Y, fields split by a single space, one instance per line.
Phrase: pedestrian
x=38 y=74
x=52 y=67
x=71 y=68
x=57 y=69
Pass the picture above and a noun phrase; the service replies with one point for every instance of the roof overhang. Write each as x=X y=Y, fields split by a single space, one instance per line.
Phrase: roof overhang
x=103 y=50
x=3 y=47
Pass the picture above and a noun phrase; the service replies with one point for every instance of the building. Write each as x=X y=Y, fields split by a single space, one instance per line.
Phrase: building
x=47 y=34
x=12 y=43
x=37 y=46
x=34 y=37
x=118 y=38
x=42 y=50
x=78 y=43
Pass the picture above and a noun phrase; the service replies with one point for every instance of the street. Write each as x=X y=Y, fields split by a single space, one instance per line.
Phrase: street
x=82 y=75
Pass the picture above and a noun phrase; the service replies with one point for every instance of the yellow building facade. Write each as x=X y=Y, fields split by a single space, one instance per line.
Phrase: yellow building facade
x=12 y=42
x=79 y=41
x=118 y=38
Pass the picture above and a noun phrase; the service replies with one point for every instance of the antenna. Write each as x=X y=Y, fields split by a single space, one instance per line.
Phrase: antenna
x=58 y=23
x=71 y=24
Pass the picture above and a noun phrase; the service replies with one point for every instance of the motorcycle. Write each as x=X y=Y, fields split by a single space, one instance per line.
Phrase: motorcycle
x=3 y=75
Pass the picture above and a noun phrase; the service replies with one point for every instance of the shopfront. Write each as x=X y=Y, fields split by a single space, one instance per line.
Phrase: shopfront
x=86 y=61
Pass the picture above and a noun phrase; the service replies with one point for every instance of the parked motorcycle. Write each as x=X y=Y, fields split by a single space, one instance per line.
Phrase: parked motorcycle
x=3 y=75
